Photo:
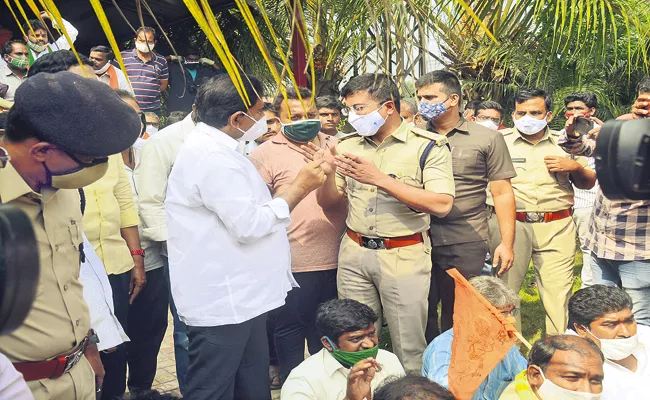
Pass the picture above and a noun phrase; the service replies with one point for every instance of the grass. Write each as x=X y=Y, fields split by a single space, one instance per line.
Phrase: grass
x=533 y=317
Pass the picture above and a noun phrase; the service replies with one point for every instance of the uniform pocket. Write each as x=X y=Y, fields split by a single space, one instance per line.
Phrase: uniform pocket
x=406 y=173
x=463 y=160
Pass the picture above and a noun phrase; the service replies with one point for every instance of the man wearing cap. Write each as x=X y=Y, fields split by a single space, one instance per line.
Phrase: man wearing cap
x=51 y=155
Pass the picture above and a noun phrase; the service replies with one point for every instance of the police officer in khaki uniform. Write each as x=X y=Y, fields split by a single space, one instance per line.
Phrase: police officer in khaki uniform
x=394 y=176
x=544 y=230
x=50 y=153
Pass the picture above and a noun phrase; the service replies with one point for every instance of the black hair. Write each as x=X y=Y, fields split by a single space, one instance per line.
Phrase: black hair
x=643 y=87
x=17 y=128
x=146 y=29
x=524 y=95
x=106 y=50
x=292 y=94
x=488 y=105
x=36 y=25
x=271 y=108
x=412 y=387
x=57 y=61
x=191 y=51
x=588 y=304
x=125 y=94
x=544 y=349
x=8 y=47
x=379 y=86
x=330 y=102
x=588 y=98
x=409 y=106
x=174 y=117
x=217 y=99
x=471 y=105
x=449 y=82
x=338 y=316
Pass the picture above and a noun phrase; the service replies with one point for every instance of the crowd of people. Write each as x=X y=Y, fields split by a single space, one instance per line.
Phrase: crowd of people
x=269 y=233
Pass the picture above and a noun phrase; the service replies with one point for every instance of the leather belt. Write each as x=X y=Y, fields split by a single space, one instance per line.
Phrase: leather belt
x=51 y=369
x=385 y=243
x=534 y=217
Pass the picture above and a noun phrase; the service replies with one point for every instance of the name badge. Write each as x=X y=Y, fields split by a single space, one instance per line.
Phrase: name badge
x=519 y=159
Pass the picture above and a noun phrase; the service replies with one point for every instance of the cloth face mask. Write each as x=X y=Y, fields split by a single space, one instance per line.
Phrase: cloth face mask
x=302 y=131
x=431 y=111
x=368 y=124
x=529 y=125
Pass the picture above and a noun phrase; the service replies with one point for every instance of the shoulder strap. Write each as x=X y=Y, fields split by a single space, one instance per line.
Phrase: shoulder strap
x=425 y=154
x=82 y=198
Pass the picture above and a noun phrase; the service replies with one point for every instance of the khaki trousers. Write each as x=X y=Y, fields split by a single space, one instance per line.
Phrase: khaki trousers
x=395 y=281
x=76 y=384
x=552 y=248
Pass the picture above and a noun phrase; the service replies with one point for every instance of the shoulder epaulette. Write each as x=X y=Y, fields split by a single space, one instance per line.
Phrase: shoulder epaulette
x=507 y=131
x=348 y=136
x=439 y=139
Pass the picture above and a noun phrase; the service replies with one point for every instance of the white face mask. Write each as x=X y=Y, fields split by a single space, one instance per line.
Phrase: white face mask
x=144 y=47
x=550 y=391
x=150 y=129
x=529 y=125
x=488 y=124
x=103 y=69
x=617 y=349
x=139 y=142
x=258 y=129
x=366 y=125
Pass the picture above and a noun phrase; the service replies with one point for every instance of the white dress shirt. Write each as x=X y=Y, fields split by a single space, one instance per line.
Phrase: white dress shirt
x=122 y=83
x=621 y=383
x=151 y=174
x=99 y=297
x=12 y=384
x=229 y=257
x=321 y=377
x=61 y=43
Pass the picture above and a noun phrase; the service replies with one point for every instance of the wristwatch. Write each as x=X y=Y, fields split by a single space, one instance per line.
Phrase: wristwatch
x=138 y=252
x=93 y=338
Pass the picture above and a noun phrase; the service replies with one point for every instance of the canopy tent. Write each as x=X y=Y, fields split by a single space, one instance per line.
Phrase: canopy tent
x=82 y=16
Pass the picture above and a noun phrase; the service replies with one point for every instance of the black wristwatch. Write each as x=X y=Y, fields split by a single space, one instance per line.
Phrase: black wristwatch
x=93 y=338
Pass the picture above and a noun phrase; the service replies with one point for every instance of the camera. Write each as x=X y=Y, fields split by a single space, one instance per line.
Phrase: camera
x=623 y=159
x=19 y=267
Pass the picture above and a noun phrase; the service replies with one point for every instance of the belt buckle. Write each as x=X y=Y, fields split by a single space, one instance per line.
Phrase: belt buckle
x=534 y=217
x=373 y=243
x=72 y=359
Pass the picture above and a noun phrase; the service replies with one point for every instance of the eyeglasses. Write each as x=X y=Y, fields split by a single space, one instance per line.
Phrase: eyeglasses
x=359 y=107
x=497 y=121
x=510 y=313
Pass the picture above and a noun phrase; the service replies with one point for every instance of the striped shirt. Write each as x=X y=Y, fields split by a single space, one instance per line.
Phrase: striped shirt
x=145 y=78
x=586 y=198
x=437 y=358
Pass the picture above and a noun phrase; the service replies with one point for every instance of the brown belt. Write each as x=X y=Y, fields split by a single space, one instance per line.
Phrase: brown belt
x=385 y=243
x=51 y=369
x=544 y=216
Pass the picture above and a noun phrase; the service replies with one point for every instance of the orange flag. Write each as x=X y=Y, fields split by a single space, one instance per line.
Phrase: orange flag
x=482 y=337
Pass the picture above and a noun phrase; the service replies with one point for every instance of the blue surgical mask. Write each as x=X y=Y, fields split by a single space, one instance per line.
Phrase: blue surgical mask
x=431 y=111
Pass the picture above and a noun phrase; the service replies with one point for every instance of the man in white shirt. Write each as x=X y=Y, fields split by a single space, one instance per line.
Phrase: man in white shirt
x=229 y=258
x=604 y=315
x=351 y=366
x=38 y=40
x=150 y=176
x=105 y=71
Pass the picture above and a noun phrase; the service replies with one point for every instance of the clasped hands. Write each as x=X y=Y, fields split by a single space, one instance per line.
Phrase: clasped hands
x=350 y=165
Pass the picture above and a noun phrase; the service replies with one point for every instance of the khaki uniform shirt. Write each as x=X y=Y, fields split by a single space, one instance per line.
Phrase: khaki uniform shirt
x=59 y=318
x=479 y=155
x=536 y=189
x=375 y=213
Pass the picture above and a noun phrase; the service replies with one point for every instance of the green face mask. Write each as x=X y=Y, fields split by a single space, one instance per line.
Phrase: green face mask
x=302 y=131
x=349 y=358
x=19 y=62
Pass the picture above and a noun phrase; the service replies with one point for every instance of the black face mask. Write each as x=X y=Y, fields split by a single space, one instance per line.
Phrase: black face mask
x=191 y=65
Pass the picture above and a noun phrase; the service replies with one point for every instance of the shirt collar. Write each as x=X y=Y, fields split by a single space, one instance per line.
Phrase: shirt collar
x=462 y=125
x=401 y=132
x=322 y=137
x=219 y=136
x=330 y=364
x=547 y=135
x=12 y=185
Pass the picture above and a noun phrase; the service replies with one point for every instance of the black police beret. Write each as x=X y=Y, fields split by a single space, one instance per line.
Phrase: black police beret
x=79 y=115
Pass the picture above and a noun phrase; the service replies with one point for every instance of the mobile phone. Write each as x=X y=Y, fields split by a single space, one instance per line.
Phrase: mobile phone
x=583 y=125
